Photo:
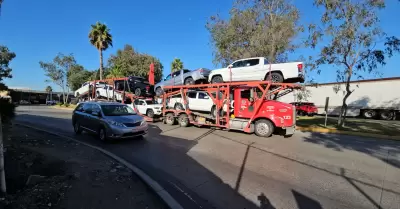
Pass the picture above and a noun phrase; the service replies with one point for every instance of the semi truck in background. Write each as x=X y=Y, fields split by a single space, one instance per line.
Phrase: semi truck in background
x=371 y=99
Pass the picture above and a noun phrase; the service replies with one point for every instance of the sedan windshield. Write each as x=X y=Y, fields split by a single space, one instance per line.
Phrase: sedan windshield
x=116 y=110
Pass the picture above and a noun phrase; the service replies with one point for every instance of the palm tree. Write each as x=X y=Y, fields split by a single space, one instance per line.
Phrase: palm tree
x=1 y=2
x=176 y=65
x=100 y=38
x=49 y=90
x=116 y=72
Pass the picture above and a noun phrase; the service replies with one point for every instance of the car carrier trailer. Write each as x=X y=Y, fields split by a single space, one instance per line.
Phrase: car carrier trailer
x=255 y=109
x=125 y=96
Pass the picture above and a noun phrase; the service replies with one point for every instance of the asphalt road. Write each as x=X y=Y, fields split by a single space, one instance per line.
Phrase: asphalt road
x=205 y=168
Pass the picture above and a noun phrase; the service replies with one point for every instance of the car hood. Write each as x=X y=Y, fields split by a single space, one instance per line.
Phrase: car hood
x=161 y=83
x=125 y=118
x=219 y=69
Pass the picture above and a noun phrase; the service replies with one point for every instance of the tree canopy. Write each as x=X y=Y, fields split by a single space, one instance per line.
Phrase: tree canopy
x=131 y=62
x=176 y=65
x=101 y=38
x=255 y=29
x=6 y=56
x=77 y=75
x=57 y=71
x=351 y=34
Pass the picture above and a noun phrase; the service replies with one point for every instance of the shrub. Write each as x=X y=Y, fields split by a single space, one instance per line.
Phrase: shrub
x=59 y=104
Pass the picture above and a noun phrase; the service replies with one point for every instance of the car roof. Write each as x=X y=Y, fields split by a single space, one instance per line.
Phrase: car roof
x=102 y=103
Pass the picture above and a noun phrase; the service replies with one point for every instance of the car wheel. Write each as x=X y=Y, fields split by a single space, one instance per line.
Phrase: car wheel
x=170 y=119
x=159 y=91
x=386 y=115
x=368 y=114
x=77 y=128
x=178 y=106
x=189 y=81
x=138 y=92
x=263 y=128
x=276 y=77
x=214 y=111
x=150 y=113
x=102 y=134
x=217 y=79
x=183 y=120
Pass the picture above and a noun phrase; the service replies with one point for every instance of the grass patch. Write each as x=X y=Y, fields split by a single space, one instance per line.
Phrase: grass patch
x=391 y=128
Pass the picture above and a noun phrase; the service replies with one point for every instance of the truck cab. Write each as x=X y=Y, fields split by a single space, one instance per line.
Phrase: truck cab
x=266 y=114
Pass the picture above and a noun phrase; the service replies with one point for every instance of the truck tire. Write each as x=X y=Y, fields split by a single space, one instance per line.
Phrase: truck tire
x=170 y=119
x=183 y=120
x=189 y=81
x=150 y=113
x=159 y=91
x=276 y=77
x=217 y=79
x=386 y=115
x=369 y=114
x=263 y=128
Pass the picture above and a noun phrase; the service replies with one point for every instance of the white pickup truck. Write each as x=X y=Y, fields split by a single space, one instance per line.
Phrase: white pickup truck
x=257 y=69
x=147 y=107
x=197 y=101
x=86 y=86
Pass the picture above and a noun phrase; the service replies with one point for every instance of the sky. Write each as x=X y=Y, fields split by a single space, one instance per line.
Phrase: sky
x=39 y=30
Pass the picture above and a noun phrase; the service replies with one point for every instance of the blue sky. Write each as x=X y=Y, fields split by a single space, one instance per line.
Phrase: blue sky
x=38 y=30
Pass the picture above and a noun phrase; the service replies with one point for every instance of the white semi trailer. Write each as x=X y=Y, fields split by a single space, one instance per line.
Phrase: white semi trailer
x=375 y=98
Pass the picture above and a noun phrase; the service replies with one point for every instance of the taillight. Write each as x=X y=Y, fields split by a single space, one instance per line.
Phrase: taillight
x=300 y=67
x=201 y=71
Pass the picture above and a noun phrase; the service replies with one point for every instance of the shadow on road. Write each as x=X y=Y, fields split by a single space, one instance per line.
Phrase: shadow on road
x=384 y=150
x=165 y=159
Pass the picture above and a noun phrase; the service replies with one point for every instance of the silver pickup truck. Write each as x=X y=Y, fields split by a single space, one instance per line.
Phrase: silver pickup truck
x=183 y=77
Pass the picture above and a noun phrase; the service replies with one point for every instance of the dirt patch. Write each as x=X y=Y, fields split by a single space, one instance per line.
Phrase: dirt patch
x=64 y=174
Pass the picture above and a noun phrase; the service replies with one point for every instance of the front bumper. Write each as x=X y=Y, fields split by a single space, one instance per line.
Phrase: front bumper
x=117 y=132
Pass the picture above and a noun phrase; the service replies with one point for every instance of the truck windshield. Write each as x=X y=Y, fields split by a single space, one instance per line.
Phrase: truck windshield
x=117 y=110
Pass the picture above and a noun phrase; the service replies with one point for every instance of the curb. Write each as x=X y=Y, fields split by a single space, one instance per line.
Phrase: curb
x=352 y=133
x=161 y=192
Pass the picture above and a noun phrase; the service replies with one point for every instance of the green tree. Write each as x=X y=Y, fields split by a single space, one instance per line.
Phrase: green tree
x=57 y=72
x=255 y=29
x=350 y=33
x=176 y=65
x=7 y=110
x=115 y=72
x=134 y=63
x=100 y=37
x=48 y=89
x=77 y=75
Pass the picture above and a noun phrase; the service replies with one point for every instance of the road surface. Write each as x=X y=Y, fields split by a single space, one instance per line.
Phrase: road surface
x=205 y=168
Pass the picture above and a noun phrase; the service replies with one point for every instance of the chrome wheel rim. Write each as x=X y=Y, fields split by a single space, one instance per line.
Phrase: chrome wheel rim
x=262 y=128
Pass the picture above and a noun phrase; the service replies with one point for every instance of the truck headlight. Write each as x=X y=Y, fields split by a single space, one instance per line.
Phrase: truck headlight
x=114 y=123
x=157 y=108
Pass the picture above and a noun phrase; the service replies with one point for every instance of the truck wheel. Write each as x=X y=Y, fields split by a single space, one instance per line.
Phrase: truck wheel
x=150 y=113
x=183 y=120
x=159 y=91
x=77 y=128
x=368 y=114
x=189 y=81
x=276 y=77
x=170 y=119
x=217 y=79
x=138 y=92
x=386 y=115
x=263 y=128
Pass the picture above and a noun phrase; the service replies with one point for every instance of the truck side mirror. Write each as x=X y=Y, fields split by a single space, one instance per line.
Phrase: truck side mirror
x=230 y=66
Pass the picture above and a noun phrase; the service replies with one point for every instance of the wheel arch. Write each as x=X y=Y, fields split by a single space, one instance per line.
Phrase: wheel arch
x=274 y=71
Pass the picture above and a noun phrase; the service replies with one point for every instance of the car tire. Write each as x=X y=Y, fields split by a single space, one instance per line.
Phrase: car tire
x=183 y=120
x=263 y=128
x=138 y=92
x=369 y=114
x=159 y=91
x=178 y=106
x=77 y=128
x=170 y=119
x=217 y=79
x=189 y=81
x=150 y=113
x=276 y=77
x=102 y=134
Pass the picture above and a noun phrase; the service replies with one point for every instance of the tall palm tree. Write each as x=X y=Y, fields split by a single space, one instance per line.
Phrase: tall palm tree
x=100 y=37
x=1 y=2
x=176 y=65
